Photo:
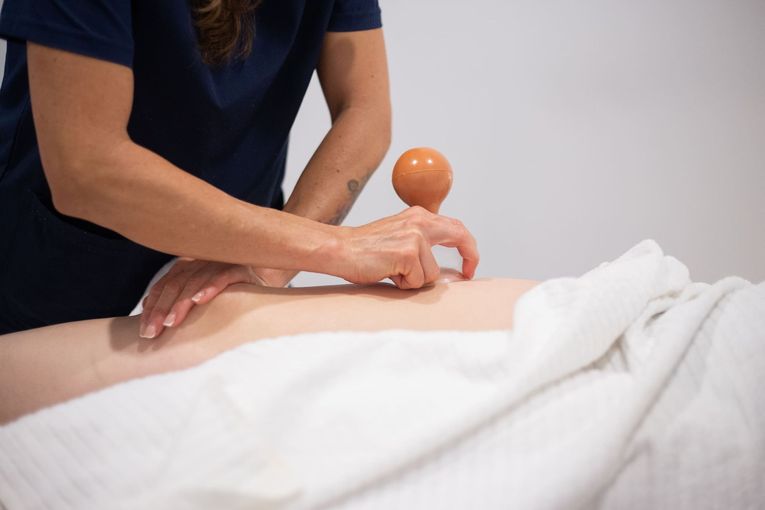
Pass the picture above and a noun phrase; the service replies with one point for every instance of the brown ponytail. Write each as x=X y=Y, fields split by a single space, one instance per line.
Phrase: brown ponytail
x=225 y=28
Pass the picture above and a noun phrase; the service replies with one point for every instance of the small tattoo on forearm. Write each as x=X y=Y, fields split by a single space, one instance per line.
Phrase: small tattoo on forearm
x=354 y=188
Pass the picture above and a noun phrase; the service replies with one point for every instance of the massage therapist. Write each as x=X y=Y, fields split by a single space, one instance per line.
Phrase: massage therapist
x=135 y=131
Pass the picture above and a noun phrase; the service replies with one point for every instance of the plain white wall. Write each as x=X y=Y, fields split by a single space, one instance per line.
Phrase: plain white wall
x=576 y=129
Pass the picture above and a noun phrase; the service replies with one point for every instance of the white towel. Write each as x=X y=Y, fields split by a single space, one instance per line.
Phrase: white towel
x=587 y=401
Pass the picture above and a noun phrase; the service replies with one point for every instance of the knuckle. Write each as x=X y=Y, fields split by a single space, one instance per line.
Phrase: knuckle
x=220 y=281
x=194 y=285
x=413 y=233
x=410 y=252
x=413 y=222
x=458 y=226
x=173 y=286
x=161 y=309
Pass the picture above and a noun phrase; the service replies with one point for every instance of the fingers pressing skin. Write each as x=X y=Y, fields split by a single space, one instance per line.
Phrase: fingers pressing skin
x=412 y=277
x=179 y=309
x=150 y=327
x=453 y=234
x=188 y=283
x=399 y=248
x=218 y=281
x=466 y=246
x=156 y=317
x=162 y=312
x=430 y=268
x=449 y=232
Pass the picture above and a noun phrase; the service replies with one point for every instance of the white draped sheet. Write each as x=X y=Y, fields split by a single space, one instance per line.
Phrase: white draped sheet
x=629 y=387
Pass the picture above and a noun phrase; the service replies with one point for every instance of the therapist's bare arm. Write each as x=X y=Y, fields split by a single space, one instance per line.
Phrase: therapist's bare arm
x=354 y=77
x=81 y=108
x=353 y=72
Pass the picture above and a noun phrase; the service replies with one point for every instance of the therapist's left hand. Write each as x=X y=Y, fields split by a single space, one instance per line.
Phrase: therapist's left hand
x=194 y=282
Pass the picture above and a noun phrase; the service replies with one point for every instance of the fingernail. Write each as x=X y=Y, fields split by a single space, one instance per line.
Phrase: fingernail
x=199 y=295
x=169 y=320
x=149 y=332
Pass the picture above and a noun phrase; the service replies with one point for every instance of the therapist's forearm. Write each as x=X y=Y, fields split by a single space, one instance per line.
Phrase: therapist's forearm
x=342 y=165
x=336 y=174
x=137 y=193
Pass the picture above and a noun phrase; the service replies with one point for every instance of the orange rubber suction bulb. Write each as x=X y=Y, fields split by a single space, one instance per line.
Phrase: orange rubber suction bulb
x=422 y=176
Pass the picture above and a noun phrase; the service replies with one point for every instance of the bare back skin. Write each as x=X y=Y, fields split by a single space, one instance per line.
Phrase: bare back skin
x=44 y=366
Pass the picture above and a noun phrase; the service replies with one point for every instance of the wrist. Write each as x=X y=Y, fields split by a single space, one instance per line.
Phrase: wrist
x=332 y=257
x=273 y=277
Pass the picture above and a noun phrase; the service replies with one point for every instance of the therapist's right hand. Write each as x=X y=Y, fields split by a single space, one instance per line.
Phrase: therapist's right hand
x=399 y=248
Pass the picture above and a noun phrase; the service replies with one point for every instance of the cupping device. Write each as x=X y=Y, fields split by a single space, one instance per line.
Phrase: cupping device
x=422 y=176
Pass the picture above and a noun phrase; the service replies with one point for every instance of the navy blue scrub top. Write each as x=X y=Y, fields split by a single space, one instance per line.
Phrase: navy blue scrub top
x=227 y=124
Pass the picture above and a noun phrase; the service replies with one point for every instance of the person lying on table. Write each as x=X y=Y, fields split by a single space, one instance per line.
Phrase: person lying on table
x=44 y=366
